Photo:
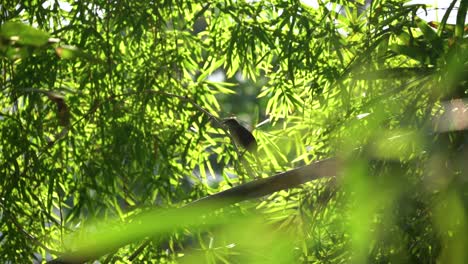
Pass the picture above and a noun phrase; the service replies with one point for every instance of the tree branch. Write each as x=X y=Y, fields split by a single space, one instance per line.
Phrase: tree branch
x=251 y=190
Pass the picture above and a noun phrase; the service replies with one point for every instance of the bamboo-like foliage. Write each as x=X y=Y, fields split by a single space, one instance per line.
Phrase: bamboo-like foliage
x=111 y=112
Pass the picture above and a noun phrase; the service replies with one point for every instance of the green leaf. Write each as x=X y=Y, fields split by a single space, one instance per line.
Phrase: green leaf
x=431 y=36
x=443 y=23
x=461 y=18
x=414 y=52
x=24 y=34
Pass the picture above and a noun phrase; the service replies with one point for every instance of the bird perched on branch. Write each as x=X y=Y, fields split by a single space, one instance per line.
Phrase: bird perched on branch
x=241 y=135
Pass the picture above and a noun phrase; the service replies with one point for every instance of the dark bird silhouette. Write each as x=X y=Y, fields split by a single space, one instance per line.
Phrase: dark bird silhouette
x=241 y=135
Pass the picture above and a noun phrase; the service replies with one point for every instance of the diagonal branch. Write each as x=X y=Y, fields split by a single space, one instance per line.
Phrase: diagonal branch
x=254 y=189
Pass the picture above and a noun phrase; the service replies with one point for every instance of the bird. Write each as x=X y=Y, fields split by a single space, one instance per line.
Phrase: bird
x=241 y=135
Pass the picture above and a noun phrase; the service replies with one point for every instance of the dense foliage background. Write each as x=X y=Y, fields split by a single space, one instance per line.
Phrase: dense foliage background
x=110 y=113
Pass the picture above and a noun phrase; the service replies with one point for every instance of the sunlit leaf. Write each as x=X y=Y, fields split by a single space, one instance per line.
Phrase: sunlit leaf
x=23 y=34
